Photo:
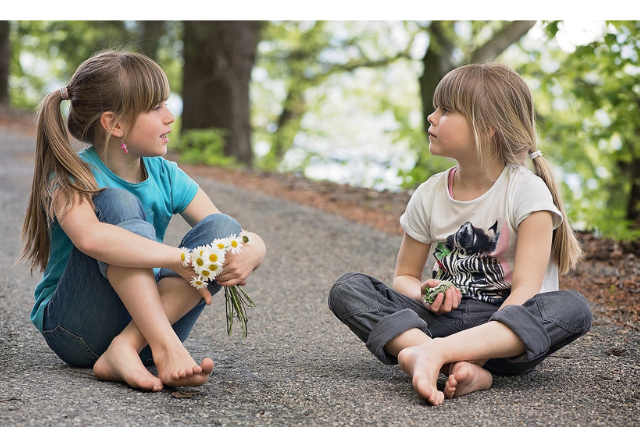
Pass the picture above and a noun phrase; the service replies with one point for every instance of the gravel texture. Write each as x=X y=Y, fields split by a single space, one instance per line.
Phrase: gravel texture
x=299 y=365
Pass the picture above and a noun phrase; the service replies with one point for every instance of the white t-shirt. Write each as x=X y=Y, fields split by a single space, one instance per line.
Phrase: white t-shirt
x=474 y=242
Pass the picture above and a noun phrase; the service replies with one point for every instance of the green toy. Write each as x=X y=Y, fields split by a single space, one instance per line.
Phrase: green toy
x=432 y=293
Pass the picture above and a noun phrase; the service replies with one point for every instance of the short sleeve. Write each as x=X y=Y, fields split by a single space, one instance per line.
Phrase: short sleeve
x=415 y=220
x=533 y=195
x=183 y=190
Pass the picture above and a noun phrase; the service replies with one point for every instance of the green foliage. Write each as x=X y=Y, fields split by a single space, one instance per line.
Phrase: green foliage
x=45 y=54
x=204 y=146
x=590 y=118
x=299 y=59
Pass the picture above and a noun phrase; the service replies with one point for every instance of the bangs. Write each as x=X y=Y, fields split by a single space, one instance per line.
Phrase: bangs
x=144 y=85
x=458 y=90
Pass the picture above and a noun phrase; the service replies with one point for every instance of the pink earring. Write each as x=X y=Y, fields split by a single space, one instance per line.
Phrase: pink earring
x=124 y=146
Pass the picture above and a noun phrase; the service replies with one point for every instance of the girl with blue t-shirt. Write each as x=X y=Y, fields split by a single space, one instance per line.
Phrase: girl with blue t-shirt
x=497 y=232
x=113 y=297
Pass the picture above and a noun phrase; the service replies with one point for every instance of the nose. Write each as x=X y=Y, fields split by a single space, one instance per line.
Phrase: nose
x=431 y=117
x=170 y=117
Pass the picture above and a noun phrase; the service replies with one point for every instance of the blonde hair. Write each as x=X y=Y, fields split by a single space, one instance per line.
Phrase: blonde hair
x=124 y=83
x=498 y=105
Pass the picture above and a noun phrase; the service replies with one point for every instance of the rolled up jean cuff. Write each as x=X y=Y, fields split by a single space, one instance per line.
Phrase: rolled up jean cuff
x=390 y=327
x=137 y=226
x=528 y=328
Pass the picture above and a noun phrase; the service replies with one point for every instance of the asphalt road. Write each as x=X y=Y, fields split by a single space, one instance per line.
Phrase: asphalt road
x=299 y=365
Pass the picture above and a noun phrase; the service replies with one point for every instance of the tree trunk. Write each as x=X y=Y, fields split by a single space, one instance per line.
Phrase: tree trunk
x=633 y=205
x=437 y=61
x=5 y=62
x=218 y=59
x=150 y=33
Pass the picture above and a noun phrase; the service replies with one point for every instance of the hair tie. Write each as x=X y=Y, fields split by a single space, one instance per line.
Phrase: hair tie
x=535 y=154
x=64 y=93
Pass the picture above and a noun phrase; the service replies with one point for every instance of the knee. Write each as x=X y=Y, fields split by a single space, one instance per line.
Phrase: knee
x=221 y=225
x=115 y=205
x=214 y=226
x=346 y=292
x=582 y=309
x=570 y=309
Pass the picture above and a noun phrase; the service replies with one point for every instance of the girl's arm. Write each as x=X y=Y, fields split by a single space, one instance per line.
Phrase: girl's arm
x=112 y=244
x=533 y=252
x=412 y=258
x=237 y=267
x=408 y=277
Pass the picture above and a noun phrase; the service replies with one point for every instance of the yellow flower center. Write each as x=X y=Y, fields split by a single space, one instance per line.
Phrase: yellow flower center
x=213 y=257
x=200 y=262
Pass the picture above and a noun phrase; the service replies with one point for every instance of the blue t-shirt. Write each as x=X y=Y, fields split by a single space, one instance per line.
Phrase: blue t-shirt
x=166 y=191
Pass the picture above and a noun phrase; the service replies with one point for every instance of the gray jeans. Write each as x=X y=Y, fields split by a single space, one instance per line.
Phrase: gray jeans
x=377 y=314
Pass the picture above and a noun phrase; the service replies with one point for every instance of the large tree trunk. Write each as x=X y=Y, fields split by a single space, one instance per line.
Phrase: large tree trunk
x=5 y=62
x=218 y=58
x=150 y=33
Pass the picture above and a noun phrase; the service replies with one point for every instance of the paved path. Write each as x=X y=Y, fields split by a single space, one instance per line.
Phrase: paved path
x=299 y=365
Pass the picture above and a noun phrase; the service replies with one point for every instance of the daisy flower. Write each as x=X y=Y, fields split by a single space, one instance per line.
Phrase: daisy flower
x=199 y=258
x=235 y=243
x=212 y=270
x=207 y=262
x=216 y=255
x=221 y=243
x=244 y=237
x=185 y=256
x=198 y=283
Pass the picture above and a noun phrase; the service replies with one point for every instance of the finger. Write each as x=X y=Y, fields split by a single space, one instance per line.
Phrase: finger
x=436 y=305
x=206 y=295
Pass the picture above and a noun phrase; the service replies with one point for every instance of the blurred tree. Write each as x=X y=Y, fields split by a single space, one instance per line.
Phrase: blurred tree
x=149 y=35
x=218 y=59
x=593 y=123
x=5 y=63
x=44 y=54
x=304 y=54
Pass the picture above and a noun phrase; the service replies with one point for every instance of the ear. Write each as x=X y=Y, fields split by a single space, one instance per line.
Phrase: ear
x=111 y=125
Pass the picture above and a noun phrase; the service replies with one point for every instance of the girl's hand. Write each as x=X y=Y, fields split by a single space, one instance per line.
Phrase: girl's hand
x=444 y=303
x=236 y=269
x=187 y=273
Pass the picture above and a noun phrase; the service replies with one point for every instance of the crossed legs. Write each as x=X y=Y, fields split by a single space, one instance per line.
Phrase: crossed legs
x=460 y=356
x=153 y=308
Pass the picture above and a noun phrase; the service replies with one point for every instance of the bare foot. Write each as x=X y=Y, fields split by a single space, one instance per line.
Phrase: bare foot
x=121 y=363
x=422 y=364
x=465 y=378
x=177 y=368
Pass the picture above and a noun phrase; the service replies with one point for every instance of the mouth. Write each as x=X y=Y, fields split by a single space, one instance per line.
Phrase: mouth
x=165 y=135
x=431 y=135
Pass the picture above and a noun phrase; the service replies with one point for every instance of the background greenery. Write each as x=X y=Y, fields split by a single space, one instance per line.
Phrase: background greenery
x=346 y=100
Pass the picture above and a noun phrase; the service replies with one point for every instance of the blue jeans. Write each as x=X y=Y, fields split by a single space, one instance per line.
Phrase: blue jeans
x=376 y=314
x=85 y=313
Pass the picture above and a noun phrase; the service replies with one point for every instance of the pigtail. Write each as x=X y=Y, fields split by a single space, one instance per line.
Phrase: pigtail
x=57 y=167
x=566 y=249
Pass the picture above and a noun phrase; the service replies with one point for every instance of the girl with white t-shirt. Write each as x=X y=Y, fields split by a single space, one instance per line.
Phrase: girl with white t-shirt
x=497 y=231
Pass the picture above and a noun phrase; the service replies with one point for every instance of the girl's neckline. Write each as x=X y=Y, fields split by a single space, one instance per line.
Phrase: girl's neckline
x=451 y=176
x=142 y=173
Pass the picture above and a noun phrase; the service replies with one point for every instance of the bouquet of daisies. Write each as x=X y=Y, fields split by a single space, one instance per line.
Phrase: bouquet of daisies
x=207 y=262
